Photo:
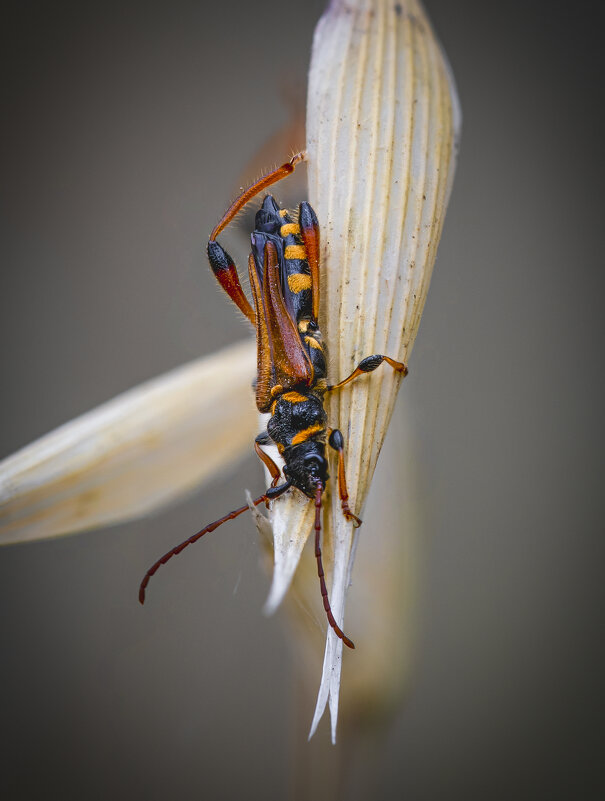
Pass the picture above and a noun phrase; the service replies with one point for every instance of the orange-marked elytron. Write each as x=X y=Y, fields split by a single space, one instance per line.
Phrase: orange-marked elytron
x=283 y=267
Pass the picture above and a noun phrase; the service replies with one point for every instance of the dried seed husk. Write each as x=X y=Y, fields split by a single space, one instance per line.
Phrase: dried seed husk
x=382 y=126
x=134 y=454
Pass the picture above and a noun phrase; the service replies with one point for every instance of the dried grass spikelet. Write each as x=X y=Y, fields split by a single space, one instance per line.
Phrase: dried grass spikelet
x=382 y=123
x=134 y=454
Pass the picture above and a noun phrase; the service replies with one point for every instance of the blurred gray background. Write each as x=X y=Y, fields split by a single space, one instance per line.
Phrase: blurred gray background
x=126 y=130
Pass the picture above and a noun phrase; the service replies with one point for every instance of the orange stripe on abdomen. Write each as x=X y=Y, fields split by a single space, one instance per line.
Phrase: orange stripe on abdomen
x=289 y=228
x=297 y=282
x=295 y=252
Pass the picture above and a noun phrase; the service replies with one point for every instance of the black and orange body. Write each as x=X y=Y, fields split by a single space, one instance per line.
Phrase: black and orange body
x=291 y=377
x=298 y=422
x=284 y=273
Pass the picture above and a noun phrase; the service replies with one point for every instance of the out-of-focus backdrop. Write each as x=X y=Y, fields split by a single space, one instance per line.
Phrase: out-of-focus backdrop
x=127 y=129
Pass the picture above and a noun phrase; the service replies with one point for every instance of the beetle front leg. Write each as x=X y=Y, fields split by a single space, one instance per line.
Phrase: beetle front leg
x=336 y=441
x=265 y=439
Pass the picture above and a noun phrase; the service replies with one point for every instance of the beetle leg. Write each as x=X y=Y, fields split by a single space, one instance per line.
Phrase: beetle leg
x=220 y=261
x=226 y=273
x=262 y=183
x=369 y=364
x=263 y=439
x=336 y=441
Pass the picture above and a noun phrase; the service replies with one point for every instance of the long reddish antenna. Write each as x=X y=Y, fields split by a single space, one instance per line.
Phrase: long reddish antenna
x=272 y=492
x=320 y=572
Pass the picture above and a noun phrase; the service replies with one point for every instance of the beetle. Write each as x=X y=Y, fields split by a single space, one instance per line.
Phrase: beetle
x=290 y=386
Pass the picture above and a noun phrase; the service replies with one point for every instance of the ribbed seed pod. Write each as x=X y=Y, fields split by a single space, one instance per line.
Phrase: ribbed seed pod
x=382 y=125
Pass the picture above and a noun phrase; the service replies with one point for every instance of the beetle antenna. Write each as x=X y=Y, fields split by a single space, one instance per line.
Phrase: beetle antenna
x=320 y=571
x=269 y=495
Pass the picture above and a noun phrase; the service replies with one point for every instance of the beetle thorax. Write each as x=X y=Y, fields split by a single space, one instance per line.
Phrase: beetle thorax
x=298 y=427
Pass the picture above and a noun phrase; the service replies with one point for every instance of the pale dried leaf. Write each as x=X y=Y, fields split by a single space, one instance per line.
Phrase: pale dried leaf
x=134 y=454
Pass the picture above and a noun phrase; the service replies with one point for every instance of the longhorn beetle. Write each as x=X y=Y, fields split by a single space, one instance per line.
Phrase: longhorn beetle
x=291 y=357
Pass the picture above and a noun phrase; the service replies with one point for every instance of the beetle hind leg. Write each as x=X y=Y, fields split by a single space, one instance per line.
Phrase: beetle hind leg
x=225 y=271
x=263 y=183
